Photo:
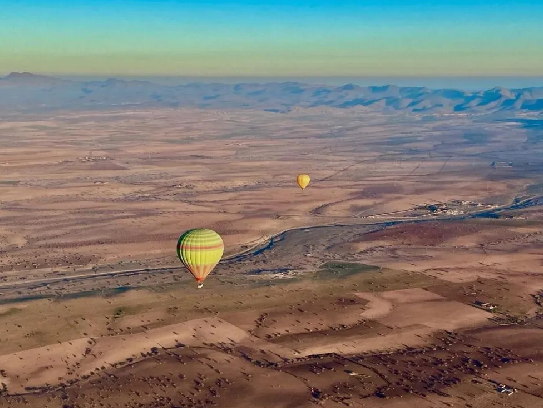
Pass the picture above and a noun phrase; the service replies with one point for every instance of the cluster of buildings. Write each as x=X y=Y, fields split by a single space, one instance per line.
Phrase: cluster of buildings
x=501 y=164
x=93 y=158
x=444 y=209
x=485 y=305
x=441 y=209
x=504 y=389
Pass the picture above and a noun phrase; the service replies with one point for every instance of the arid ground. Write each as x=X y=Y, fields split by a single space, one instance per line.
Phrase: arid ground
x=360 y=291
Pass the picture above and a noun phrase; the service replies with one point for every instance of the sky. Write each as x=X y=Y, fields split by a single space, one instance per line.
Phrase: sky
x=297 y=38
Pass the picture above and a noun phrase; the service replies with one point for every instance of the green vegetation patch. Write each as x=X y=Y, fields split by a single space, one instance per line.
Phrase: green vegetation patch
x=119 y=290
x=536 y=188
x=508 y=297
x=9 y=182
x=10 y=312
x=331 y=270
x=37 y=334
x=41 y=127
x=121 y=311
x=107 y=293
x=400 y=140
x=118 y=312
x=277 y=281
x=25 y=299
x=391 y=279
x=474 y=138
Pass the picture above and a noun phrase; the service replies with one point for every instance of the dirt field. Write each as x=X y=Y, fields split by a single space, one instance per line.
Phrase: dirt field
x=114 y=189
x=341 y=307
x=309 y=341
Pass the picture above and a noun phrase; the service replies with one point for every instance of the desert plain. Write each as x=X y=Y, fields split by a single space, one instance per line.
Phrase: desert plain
x=409 y=272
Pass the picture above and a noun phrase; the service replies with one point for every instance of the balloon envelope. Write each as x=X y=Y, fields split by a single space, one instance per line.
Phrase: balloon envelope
x=200 y=250
x=303 y=181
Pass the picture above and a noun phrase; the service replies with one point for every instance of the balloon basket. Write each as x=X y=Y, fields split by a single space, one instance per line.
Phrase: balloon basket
x=200 y=286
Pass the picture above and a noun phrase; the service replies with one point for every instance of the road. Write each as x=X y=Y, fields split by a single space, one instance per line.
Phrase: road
x=265 y=246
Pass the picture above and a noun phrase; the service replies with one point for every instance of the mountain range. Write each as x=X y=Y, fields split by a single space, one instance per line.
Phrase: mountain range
x=24 y=92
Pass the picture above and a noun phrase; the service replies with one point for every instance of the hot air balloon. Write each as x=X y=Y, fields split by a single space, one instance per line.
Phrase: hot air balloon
x=200 y=250
x=303 y=181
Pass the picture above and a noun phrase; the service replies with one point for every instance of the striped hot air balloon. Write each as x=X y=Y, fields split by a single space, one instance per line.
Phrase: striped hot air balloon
x=200 y=250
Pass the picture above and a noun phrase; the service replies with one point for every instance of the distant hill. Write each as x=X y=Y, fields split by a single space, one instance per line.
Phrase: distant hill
x=28 y=92
x=29 y=79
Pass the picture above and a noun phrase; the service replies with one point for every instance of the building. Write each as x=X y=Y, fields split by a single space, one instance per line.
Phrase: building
x=501 y=164
x=485 y=305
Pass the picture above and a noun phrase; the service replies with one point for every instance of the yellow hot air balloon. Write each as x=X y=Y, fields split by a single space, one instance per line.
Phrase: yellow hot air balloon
x=200 y=250
x=303 y=181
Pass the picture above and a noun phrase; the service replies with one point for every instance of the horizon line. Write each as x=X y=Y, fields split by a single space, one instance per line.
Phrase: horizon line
x=156 y=75
x=434 y=83
x=292 y=76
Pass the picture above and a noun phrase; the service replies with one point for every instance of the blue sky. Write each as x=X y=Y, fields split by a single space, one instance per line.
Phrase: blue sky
x=281 y=38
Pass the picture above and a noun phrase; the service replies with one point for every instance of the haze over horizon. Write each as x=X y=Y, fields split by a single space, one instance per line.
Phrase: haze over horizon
x=320 y=38
x=437 y=82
